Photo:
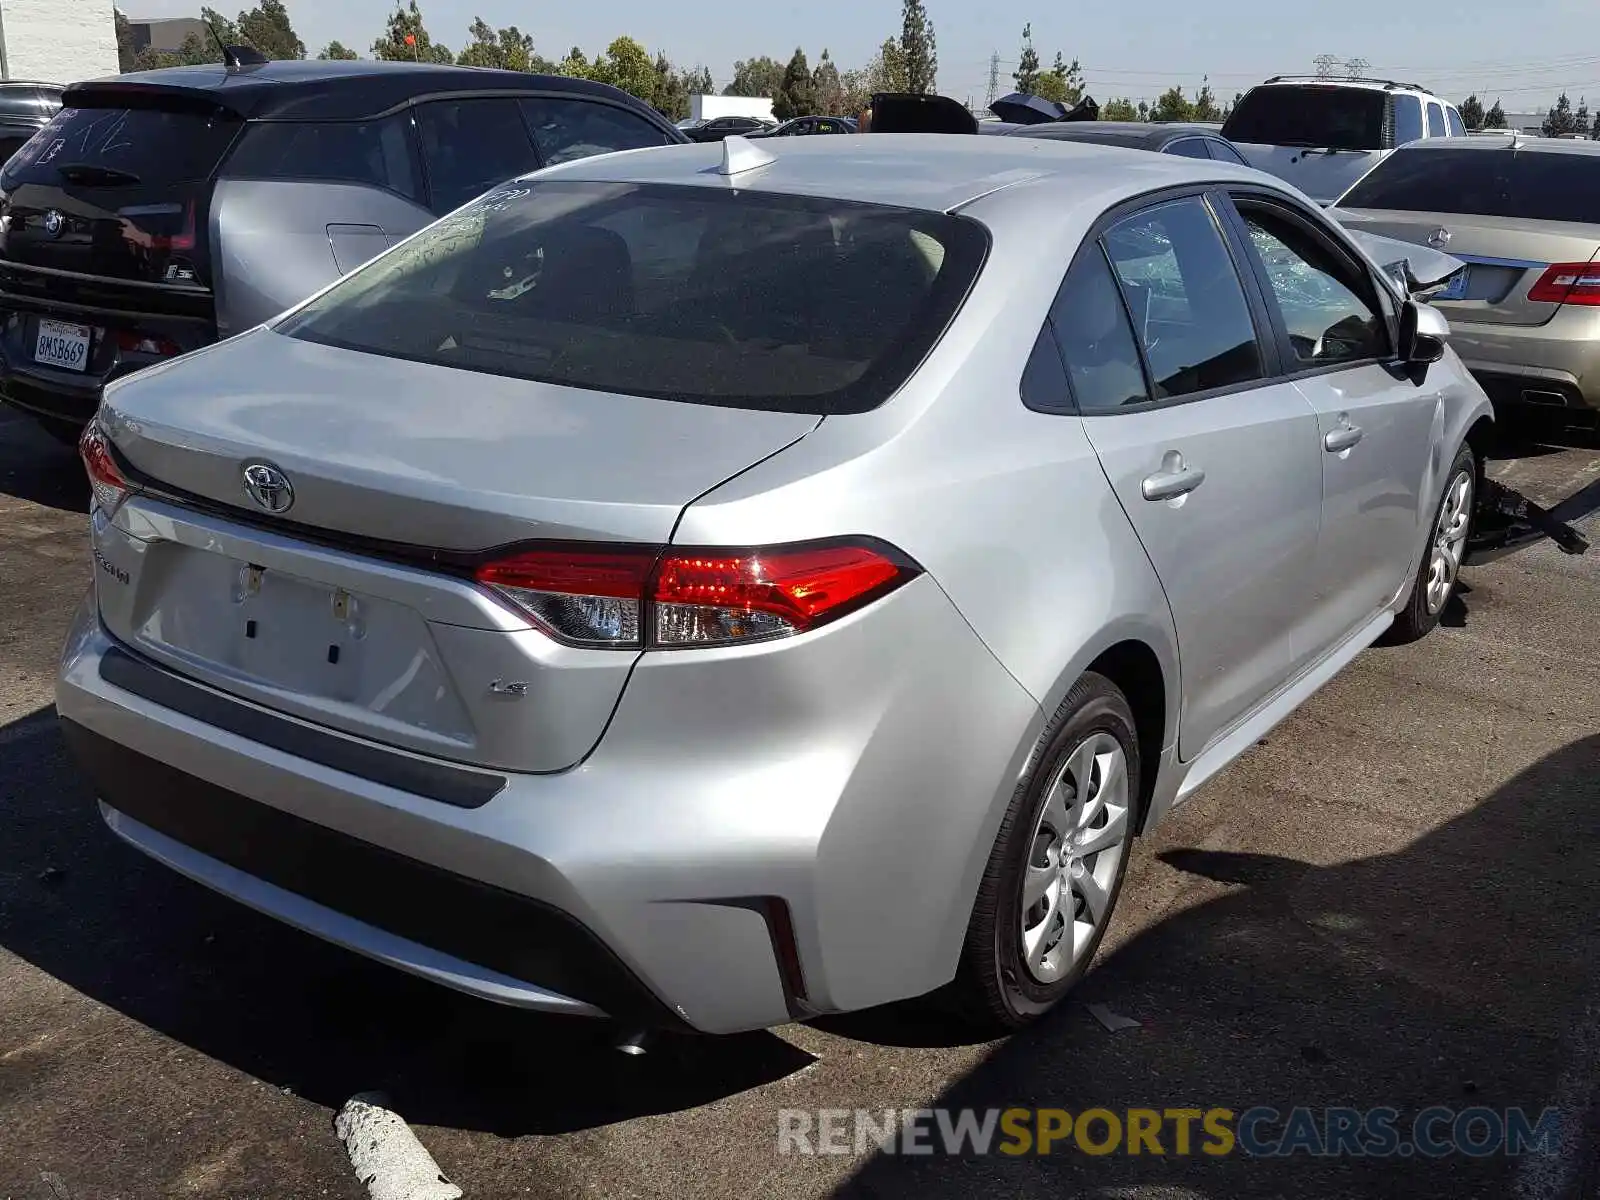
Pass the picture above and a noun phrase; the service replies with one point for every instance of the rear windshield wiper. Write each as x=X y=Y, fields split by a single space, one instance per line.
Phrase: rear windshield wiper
x=95 y=173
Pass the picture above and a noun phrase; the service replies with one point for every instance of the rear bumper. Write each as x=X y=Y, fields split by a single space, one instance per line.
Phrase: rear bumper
x=1556 y=364
x=731 y=857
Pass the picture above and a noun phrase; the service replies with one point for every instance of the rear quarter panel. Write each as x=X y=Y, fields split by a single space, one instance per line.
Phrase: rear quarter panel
x=270 y=242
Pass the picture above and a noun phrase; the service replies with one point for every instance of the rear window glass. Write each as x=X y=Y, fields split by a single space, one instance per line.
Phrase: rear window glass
x=1341 y=118
x=697 y=294
x=110 y=146
x=1532 y=184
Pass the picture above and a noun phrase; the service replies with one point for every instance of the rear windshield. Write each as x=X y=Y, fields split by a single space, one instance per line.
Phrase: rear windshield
x=699 y=294
x=1532 y=184
x=111 y=146
x=1339 y=118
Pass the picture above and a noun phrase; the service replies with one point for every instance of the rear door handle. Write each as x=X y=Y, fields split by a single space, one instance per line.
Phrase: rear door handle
x=1169 y=485
x=1341 y=439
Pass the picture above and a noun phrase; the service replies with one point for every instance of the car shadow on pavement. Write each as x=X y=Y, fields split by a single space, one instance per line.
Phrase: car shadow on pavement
x=35 y=466
x=1459 y=971
x=302 y=1015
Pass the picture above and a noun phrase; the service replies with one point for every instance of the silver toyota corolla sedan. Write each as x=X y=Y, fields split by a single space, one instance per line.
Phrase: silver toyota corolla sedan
x=715 y=585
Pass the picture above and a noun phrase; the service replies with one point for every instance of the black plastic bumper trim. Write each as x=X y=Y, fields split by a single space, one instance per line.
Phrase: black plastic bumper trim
x=465 y=918
x=456 y=786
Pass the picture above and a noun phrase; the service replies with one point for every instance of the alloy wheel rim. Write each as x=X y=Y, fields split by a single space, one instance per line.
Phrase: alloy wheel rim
x=1449 y=540
x=1074 y=858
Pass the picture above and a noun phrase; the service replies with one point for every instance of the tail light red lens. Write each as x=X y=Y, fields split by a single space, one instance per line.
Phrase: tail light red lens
x=681 y=598
x=105 y=481
x=1568 y=283
x=146 y=343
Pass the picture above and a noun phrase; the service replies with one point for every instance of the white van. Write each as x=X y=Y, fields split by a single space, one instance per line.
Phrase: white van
x=1323 y=134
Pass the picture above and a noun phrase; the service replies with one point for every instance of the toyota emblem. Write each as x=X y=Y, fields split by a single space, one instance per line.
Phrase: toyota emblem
x=54 y=223
x=268 y=487
x=1439 y=237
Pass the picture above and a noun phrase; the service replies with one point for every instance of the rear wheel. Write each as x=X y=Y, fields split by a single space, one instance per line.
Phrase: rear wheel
x=1057 y=865
x=1441 y=558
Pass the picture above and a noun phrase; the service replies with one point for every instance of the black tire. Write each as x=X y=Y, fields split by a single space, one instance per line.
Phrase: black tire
x=1416 y=620
x=993 y=989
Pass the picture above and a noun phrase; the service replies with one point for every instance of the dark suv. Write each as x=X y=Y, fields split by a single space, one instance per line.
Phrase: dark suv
x=24 y=108
x=160 y=211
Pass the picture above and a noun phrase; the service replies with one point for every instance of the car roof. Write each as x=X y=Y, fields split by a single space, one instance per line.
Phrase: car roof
x=1520 y=142
x=1365 y=85
x=1145 y=133
x=315 y=89
x=936 y=172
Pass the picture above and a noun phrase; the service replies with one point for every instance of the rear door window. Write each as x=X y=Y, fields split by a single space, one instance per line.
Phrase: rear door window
x=470 y=146
x=1457 y=127
x=126 y=146
x=1184 y=295
x=700 y=295
x=1487 y=181
x=1222 y=152
x=1317 y=115
x=1188 y=148
x=1407 y=119
x=376 y=153
x=1436 y=125
x=567 y=129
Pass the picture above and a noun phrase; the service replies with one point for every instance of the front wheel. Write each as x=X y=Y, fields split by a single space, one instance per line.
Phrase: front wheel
x=1057 y=865
x=1441 y=558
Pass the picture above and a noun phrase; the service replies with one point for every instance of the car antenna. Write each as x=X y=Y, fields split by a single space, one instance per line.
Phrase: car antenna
x=235 y=57
x=740 y=155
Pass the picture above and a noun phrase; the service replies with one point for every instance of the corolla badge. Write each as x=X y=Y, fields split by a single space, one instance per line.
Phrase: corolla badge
x=268 y=487
x=54 y=223
x=1439 y=237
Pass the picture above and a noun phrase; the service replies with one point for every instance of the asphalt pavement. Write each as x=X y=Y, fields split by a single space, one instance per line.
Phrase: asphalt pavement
x=1390 y=902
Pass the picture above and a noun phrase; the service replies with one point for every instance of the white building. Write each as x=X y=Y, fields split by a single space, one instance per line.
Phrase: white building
x=57 y=41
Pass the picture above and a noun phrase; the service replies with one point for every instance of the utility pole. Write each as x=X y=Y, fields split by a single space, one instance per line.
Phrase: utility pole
x=1355 y=66
x=1325 y=65
x=994 y=79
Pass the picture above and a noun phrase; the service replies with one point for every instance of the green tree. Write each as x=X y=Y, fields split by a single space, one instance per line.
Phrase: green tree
x=827 y=88
x=795 y=97
x=1120 y=109
x=336 y=50
x=1144 y=110
x=1472 y=112
x=890 y=72
x=575 y=64
x=1026 y=76
x=1063 y=82
x=1172 y=105
x=507 y=49
x=671 y=93
x=268 y=29
x=1580 y=119
x=1205 y=103
x=755 y=77
x=126 y=55
x=1559 y=121
x=406 y=22
x=626 y=65
x=1495 y=118
x=917 y=48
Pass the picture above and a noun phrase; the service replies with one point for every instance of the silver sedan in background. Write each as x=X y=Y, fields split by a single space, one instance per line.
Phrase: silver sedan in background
x=717 y=585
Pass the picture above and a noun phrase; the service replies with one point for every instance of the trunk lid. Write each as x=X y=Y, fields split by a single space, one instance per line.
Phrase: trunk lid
x=1504 y=258
x=348 y=610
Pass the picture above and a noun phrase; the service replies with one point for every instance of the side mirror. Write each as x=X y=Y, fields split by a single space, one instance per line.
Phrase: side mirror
x=1423 y=330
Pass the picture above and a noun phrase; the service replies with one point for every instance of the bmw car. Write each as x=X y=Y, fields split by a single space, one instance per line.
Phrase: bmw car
x=717 y=585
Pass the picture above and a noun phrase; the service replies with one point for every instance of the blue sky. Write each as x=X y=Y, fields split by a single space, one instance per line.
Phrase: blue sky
x=1520 y=53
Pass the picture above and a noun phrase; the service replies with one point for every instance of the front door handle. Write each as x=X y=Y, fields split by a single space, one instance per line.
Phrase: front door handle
x=1341 y=439
x=1170 y=484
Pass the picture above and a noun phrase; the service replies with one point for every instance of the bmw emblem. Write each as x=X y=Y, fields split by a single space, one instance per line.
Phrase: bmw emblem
x=268 y=487
x=54 y=223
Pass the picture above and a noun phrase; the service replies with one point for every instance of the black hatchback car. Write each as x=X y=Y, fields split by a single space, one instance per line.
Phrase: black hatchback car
x=162 y=210
x=24 y=109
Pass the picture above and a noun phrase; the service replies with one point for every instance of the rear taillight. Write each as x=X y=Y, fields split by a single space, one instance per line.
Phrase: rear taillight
x=1568 y=283
x=680 y=598
x=132 y=340
x=105 y=481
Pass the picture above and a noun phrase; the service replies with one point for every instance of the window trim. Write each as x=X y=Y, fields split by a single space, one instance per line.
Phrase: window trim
x=1315 y=227
x=1266 y=346
x=1236 y=159
x=1198 y=139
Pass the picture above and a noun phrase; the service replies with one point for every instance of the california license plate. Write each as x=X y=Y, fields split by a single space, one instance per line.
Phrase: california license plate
x=1455 y=289
x=61 y=344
